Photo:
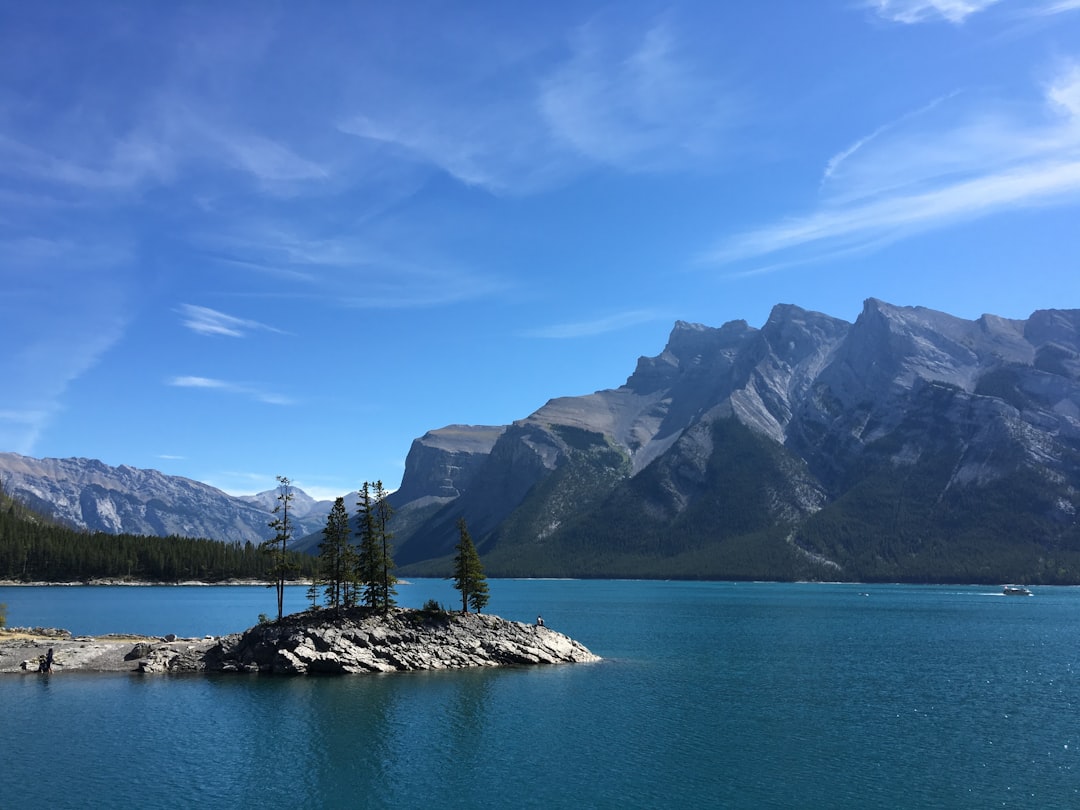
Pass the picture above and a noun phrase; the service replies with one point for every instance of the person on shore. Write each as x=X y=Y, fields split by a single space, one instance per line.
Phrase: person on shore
x=539 y=621
x=45 y=663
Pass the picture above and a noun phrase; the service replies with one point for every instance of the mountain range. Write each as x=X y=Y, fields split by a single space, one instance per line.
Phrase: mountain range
x=88 y=494
x=910 y=445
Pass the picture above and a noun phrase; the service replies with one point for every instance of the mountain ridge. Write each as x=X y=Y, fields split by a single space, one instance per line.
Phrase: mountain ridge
x=908 y=445
x=91 y=495
x=828 y=415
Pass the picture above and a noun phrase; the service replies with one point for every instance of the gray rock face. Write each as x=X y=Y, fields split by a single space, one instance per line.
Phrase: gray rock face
x=445 y=462
x=899 y=386
x=20 y=651
x=313 y=643
x=360 y=641
x=88 y=494
x=960 y=406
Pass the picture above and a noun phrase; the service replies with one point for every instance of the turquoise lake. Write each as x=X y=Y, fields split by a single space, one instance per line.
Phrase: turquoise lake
x=709 y=695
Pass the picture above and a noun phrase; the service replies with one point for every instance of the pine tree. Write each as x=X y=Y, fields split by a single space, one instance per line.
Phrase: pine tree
x=387 y=580
x=350 y=584
x=374 y=561
x=469 y=577
x=334 y=555
x=277 y=548
x=367 y=557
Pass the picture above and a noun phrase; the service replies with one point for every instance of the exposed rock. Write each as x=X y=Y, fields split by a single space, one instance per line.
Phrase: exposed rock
x=363 y=641
x=994 y=402
x=446 y=460
x=140 y=650
x=315 y=643
x=883 y=447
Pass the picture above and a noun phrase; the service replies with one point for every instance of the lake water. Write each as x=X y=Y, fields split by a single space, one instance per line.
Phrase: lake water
x=709 y=695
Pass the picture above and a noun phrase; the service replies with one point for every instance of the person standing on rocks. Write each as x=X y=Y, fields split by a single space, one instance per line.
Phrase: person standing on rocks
x=45 y=665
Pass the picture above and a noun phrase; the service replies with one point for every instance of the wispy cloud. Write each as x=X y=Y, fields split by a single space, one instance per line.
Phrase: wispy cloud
x=497 y=145
x=625 y=96
x=121 y=164
x=167 y=146
x=78 y=291
x=609 y=323
x=275 y=165
x=640 y=106
x=931 y=173
x=206 y=321
x=917 y=11
x=243 y=389
x=833 y=164
x=386 y=267
x=1060 y=7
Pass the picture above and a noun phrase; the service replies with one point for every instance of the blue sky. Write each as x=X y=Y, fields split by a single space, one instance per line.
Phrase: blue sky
x=239 y=240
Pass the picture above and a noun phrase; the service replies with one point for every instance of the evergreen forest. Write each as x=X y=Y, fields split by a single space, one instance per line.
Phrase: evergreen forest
x=35 y=549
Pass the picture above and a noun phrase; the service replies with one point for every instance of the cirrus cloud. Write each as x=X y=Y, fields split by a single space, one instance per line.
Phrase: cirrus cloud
x=929 y=170
x=242 y=389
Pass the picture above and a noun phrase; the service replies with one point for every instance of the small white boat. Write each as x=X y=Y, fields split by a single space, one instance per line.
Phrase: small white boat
x=1015 y=590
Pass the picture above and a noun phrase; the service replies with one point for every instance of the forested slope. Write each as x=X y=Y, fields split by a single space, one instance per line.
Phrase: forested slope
x=34 y=549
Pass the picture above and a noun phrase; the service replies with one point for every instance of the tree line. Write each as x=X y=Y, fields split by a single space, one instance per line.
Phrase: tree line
x=361 y=574
x=346 y=573
x=35 y=549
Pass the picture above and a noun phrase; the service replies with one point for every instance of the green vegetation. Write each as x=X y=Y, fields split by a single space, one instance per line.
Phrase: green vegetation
x=43 y=553
x=375 y=565
x=667 y=521
x=359 y=574
x=905 y=524
x=735 y=517
x=337 y=558
x=3 y=615
x=276 y=549
x=35 y=549
x=469 y=576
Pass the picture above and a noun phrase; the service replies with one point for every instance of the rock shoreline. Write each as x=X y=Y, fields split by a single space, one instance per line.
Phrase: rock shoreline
x=141 y=583
x=313 y=642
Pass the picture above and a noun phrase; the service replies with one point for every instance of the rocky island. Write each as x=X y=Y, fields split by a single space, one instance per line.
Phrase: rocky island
x=314 y=642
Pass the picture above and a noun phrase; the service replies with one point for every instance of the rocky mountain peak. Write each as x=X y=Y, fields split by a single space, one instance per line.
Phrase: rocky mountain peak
x=692 y=349
x=824 y=447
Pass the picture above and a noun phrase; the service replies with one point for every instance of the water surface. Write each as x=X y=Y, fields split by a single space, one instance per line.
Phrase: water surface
x=709 y=695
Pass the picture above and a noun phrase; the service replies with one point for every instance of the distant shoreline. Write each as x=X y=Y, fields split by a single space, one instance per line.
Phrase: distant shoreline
x=131 y=583
x=14 y=583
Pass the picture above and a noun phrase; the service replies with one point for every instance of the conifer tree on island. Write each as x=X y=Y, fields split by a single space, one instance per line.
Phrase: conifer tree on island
x=335 y=559
x=366 y=557
x=374 y=561
x=383 y=513
x=469 y=577
x=277 y=548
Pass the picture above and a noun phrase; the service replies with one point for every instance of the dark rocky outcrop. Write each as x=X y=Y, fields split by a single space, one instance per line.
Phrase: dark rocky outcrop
x=362 y=641
x=314 y=642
